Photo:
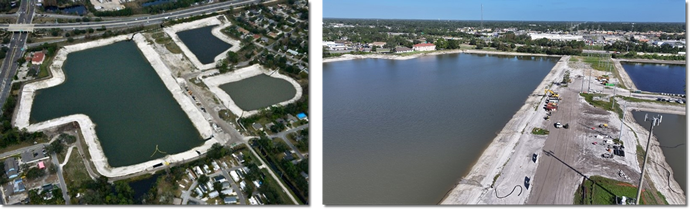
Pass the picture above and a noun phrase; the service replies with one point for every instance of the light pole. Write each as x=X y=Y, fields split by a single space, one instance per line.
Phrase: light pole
x=655 y=122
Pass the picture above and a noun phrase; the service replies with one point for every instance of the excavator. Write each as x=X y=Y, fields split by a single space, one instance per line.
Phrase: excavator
x=552 y=93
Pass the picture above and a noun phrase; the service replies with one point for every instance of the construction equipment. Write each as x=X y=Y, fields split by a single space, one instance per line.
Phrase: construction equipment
x=554 y=94
x=558 y=125
x=603 y=125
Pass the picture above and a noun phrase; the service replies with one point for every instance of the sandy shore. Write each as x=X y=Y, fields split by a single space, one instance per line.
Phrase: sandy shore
x=88 y=127
x=215 y=82
x=658 y=171
x=345 y=57
x=674 y=62
x=216 y=31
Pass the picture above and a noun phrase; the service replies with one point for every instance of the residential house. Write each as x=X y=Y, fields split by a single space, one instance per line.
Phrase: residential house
x=257 y=127
x=11 y=167
x=291 y=119
x=378 y=44
x=18 y=185
x=230 y=200
x=293 y=52
x=402 y=50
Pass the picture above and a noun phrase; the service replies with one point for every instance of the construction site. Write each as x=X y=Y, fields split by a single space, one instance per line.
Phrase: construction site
x=574 y=142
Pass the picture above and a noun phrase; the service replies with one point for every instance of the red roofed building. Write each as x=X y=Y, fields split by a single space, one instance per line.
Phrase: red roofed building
x=424 y=47
x=38 y=58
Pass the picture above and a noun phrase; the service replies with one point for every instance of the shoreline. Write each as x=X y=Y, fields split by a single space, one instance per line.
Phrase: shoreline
x=346 y=57
x=653 y=61
x=209 y=21
x=476 y=183
x=476 y=186
x=87 y=126
x=214 y=83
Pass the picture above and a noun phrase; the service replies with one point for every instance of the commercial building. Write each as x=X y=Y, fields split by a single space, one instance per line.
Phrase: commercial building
x=424 y=47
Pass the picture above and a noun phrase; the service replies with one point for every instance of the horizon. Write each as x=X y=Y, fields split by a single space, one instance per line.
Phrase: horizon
x=660 y=11
x=357 y=18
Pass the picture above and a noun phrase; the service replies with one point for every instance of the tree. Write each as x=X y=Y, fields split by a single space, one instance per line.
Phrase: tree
x=53 y=169
x=6 y=40
x=34 y=173
x=218 y=186
x=70 y=39
x=233 y=57
x=55 y=146
x=69 y=139
x=203 y=179
x=216 y=151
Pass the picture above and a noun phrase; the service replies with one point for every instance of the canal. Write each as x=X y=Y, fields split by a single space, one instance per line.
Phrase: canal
x=661 y=78
x=672 y=136
x=406 y=131
x=119 y=90
x=259 y=91
x=203 y=44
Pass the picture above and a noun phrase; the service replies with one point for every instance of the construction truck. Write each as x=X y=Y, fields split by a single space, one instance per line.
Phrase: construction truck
x=554 y=94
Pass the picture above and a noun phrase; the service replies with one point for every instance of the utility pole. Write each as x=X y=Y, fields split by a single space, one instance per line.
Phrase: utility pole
x=655 y=122
x=583 y=78
x=620 y=136
x=589 y=81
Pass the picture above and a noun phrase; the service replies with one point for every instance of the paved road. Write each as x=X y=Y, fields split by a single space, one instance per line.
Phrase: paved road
x=210 y=106
x=186 y=194
x=63 y=185
x=283 y=135
x=146 y=20
x=240 y=193
x=17 y=42
x=555 y=178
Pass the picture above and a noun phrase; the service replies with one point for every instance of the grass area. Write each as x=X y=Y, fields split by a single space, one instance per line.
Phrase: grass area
x=633 y=99
x=603 y=104
x=495 y=178
x=226 y=115
x=269 y=181
x=161 y=38
x=640 y=155
x=597 y=62
x=598 y=190
x=75 y=171
x=539 y=131
x=594 y=62
x=618 y=141
x=173 y=48
x=662 y=197
x=44 y=68
x=62 y=155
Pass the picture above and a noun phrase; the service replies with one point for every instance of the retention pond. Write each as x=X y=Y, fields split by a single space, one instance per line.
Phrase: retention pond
x=203 y=43
x=405 y=131
x=672 y=136
x=662 y=78
x=133 y=111
x=259 y=91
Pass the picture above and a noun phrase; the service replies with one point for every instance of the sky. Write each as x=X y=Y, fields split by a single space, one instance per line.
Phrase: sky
x=531 y=10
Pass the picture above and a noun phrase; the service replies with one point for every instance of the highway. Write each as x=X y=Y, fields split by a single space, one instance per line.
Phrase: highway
x=16 y=46
x=144 y=20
